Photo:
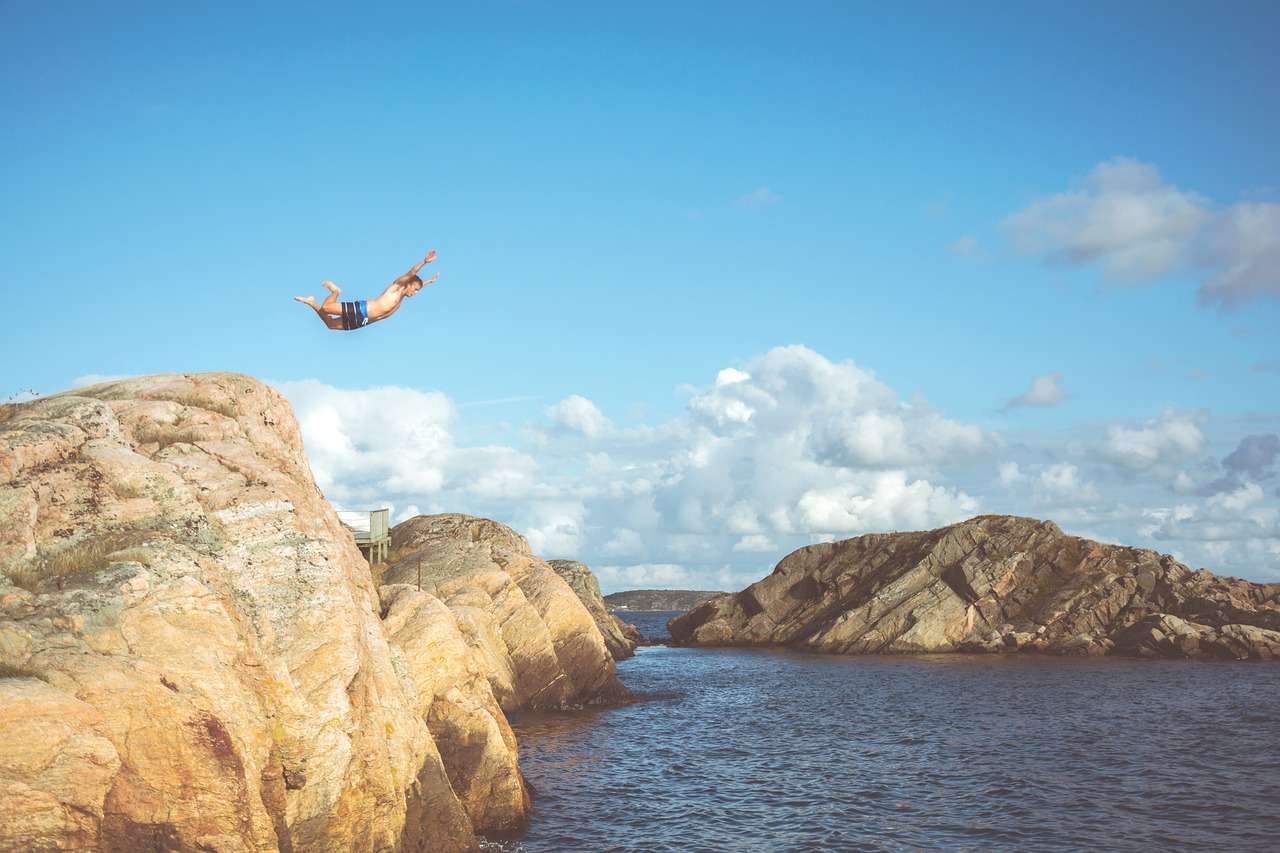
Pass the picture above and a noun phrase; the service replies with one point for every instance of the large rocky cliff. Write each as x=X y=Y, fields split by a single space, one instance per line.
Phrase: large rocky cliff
x=992 y=584
x=194 y=657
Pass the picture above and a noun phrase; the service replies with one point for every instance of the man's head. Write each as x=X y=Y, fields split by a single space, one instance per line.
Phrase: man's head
x=413 y=285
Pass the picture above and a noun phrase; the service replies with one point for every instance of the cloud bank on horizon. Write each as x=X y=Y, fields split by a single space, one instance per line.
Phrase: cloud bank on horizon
x=789 y=450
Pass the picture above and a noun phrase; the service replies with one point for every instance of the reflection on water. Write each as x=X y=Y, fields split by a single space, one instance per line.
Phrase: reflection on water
x=737 y=750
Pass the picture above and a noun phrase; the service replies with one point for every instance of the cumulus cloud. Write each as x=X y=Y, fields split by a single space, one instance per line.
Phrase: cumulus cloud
x=579 y=415
x=1044 y=391
x=795 y=445
x=1163 y=443
x=1141 y=228
x=645 y=576
x=1242 y=515
x=1062 y=485
x=394 y=445
x=554 y=528
x=1124 y=216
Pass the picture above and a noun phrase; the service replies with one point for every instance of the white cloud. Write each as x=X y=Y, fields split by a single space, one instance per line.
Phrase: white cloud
x=730 y=375
x=755 y=544
x=624 y=542
x=644 y=576
x=1244 y=518
x=1164 y=443
x=1062 y=485
x=757 y=199
x=1140 y=228
x=394 y=445
x=882 y=501
x=580 y=415
x=787 y=449
x=554 y=528
x=1044 y=391
x=1010 y=474
x=1124 y=217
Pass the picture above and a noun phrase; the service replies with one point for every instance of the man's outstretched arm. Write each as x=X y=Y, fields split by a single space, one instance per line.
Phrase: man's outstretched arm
x=431 y=256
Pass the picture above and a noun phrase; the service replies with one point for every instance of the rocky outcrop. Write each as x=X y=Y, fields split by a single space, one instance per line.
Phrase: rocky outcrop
x=992 y=584
x=191 y=650
x=620 y=637
x=541 y=648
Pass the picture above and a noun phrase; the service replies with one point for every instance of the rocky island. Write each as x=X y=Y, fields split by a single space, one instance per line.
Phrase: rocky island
x=658 y=599
x=991 y=584
x=194 y=655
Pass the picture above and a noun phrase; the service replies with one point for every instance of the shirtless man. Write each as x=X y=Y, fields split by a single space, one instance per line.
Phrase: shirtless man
x=355 y=315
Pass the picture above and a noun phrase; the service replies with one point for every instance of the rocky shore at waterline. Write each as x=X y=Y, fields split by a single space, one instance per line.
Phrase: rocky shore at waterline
x=194 y=655
x=992 y=584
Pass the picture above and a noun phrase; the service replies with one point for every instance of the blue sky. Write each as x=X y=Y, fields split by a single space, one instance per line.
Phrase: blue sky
x=716 y=279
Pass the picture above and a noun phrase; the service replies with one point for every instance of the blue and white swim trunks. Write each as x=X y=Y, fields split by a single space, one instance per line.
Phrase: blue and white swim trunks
x=355 y=315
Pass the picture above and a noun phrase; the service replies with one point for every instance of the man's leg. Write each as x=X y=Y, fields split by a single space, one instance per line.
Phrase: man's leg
x=328 y=319
x=331 y=303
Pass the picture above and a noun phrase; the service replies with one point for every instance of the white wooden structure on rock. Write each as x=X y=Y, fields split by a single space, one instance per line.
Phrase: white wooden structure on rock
x=371 y=530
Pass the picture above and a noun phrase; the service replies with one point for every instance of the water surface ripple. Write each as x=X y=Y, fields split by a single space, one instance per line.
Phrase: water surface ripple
x=737 y=750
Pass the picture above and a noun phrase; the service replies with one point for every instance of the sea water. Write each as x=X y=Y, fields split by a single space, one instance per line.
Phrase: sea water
x=749 y=750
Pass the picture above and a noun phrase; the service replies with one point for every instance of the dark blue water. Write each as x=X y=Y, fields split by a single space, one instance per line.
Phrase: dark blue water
x=736 y=750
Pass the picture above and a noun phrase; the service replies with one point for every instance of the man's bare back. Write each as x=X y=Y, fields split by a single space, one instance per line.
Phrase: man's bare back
x=355 y=315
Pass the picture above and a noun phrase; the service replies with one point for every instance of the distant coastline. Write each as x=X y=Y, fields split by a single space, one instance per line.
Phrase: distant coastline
x=633 y=600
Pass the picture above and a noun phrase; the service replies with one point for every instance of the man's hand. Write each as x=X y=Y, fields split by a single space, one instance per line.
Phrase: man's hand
x=433 y=278
x=431 y=256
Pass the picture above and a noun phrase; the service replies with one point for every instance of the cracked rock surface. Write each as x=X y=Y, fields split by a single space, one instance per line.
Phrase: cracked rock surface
x=992 y=584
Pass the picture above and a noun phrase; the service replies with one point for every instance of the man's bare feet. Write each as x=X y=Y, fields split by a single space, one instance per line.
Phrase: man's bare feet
x=331 y=287
x=308 y=300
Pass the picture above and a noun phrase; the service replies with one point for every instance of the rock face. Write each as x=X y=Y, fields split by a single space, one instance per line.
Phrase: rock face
x=620 y=637
x=191 y=650
x=992 y=584
x=540 y=646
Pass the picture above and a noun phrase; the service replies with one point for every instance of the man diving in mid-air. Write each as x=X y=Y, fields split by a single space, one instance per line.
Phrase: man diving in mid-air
x=356 y=315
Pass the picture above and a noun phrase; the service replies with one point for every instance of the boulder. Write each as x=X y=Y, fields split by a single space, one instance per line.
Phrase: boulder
x=991 y=584
x=542 y=649
x=191 y=645
x=620 y=637
x=449 y=690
